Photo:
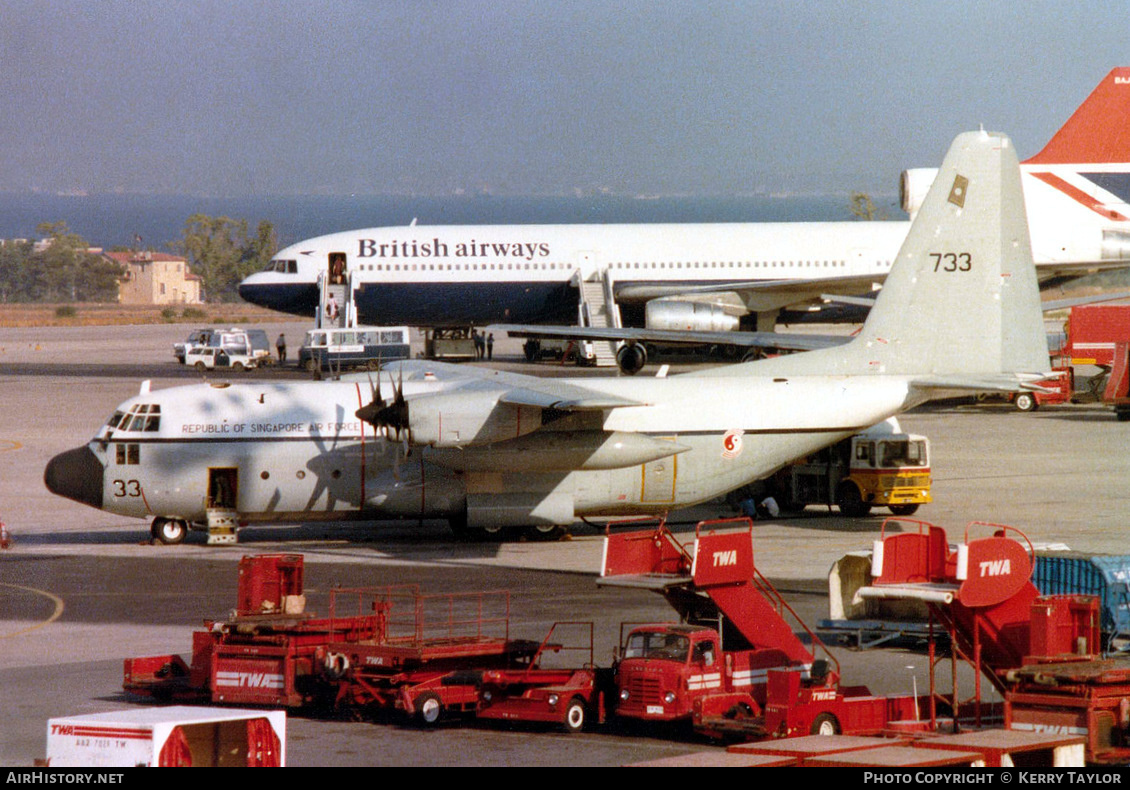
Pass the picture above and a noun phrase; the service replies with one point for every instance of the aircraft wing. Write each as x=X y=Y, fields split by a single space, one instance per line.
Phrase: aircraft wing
x=784 y=341
x=445 y=406
x=780 y=340
x=796 y=290
x=1047 y=306
x=514 y=388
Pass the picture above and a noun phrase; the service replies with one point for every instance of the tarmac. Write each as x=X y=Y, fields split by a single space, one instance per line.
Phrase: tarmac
x=80 y=590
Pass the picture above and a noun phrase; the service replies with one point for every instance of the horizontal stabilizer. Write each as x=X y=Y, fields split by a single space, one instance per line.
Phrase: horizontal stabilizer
x=1004 y=383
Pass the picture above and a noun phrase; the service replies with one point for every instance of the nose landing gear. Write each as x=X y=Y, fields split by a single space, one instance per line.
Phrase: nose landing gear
x=169 y=531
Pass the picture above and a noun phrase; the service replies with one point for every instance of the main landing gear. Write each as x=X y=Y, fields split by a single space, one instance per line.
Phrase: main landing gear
x=497 y=534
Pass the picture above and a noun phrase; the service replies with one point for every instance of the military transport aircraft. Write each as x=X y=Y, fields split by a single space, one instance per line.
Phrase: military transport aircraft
x=708 y=277
x=490 y=450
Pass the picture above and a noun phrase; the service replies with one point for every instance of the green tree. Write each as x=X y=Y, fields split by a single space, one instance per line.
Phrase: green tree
x=14 y=270
x=64 y=271
x=863 y=208
x=220 y=251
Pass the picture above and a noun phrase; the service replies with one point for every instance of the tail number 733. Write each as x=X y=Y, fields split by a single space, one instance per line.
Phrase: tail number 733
x=952 y=261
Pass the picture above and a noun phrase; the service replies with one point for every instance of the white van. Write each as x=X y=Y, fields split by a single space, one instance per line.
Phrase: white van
x=211 y=357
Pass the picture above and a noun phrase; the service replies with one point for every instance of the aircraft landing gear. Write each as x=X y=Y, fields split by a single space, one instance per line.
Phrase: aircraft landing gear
x=169 y=531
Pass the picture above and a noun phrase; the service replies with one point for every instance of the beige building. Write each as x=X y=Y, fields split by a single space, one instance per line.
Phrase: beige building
x=156 y=278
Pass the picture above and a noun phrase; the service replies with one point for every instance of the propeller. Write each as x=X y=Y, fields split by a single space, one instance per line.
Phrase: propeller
x=389 y=418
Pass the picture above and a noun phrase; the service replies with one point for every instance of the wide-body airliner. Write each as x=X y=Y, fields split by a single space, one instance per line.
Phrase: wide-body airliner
x=697 y=276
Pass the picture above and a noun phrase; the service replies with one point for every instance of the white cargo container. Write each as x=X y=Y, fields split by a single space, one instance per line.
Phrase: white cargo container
x=167 y=737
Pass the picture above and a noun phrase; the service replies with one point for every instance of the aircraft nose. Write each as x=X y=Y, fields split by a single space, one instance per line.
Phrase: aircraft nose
x=248 y=291
x=76 y=474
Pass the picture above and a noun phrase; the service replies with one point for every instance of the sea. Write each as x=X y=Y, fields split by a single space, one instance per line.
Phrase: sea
x=112 y=220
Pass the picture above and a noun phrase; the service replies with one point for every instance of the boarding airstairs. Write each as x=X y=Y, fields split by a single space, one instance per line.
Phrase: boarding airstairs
x=342 y=296
x=597 y=308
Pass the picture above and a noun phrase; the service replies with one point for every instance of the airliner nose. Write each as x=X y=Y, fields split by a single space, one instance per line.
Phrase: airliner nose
x=250 y=291
x=76 y=474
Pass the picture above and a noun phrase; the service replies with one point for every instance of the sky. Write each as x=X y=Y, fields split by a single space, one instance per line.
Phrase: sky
x=527 y=97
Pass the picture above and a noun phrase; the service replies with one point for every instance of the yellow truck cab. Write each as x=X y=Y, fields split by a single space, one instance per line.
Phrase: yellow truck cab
x=879 y=467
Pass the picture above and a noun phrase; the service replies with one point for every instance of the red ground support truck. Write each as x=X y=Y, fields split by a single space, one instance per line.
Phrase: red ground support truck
x=1090 y=338
x=748 y=673
x=733 y=666
x=396 y=650
x=1043 y=653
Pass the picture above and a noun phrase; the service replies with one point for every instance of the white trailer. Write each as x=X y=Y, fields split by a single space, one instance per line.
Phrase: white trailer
x=168 y=737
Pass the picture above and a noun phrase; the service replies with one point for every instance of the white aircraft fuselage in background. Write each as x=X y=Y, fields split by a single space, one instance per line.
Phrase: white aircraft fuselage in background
x=1076 y=190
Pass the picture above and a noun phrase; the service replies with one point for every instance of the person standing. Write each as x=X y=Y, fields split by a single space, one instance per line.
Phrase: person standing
x=280 y=346
x=490 y=346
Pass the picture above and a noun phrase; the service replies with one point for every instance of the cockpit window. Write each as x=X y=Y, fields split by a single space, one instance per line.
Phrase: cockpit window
x=142 y=417
x=281 y=265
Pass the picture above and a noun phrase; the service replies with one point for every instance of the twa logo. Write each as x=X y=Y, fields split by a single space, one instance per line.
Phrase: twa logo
x=62 y=729
x=249 y=680
x=823 y=696
x=996 y=568
x=724 y=559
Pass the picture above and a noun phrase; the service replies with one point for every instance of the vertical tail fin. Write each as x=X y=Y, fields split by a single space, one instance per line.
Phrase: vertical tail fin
x=962 y=297
x=961 y=303
x=1098 y=132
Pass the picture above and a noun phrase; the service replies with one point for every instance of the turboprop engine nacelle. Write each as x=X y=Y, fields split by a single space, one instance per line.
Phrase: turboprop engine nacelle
x=468 y=418
x=559 y=451
x=688 y=316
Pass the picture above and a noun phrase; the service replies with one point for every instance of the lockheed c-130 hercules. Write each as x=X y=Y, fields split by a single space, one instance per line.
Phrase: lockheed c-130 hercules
x=490 y=450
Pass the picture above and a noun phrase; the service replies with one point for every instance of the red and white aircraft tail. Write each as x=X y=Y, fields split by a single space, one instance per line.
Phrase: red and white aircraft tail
x=1098 y=132
x=1077 y=188
x=1087 y=162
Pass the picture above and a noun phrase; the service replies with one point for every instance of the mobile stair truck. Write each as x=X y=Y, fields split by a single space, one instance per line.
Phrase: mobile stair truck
x=733 y=666
x=1041 y=652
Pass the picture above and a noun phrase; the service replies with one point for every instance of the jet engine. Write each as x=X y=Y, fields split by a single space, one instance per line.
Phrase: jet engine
x=631 y=357
x=689 y=316
x=913 y=186
x=1116 y=245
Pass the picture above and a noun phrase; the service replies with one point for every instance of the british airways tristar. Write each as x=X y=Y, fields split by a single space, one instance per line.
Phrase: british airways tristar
x=702 y=277
x=490 y=450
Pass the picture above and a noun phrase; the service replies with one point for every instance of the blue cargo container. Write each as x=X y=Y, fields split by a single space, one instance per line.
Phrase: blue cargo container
x=1106 y=576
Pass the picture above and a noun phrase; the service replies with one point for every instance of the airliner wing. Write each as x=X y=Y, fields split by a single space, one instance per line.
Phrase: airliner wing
x=778 y=340
x=796 y=290
x=783 y=341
